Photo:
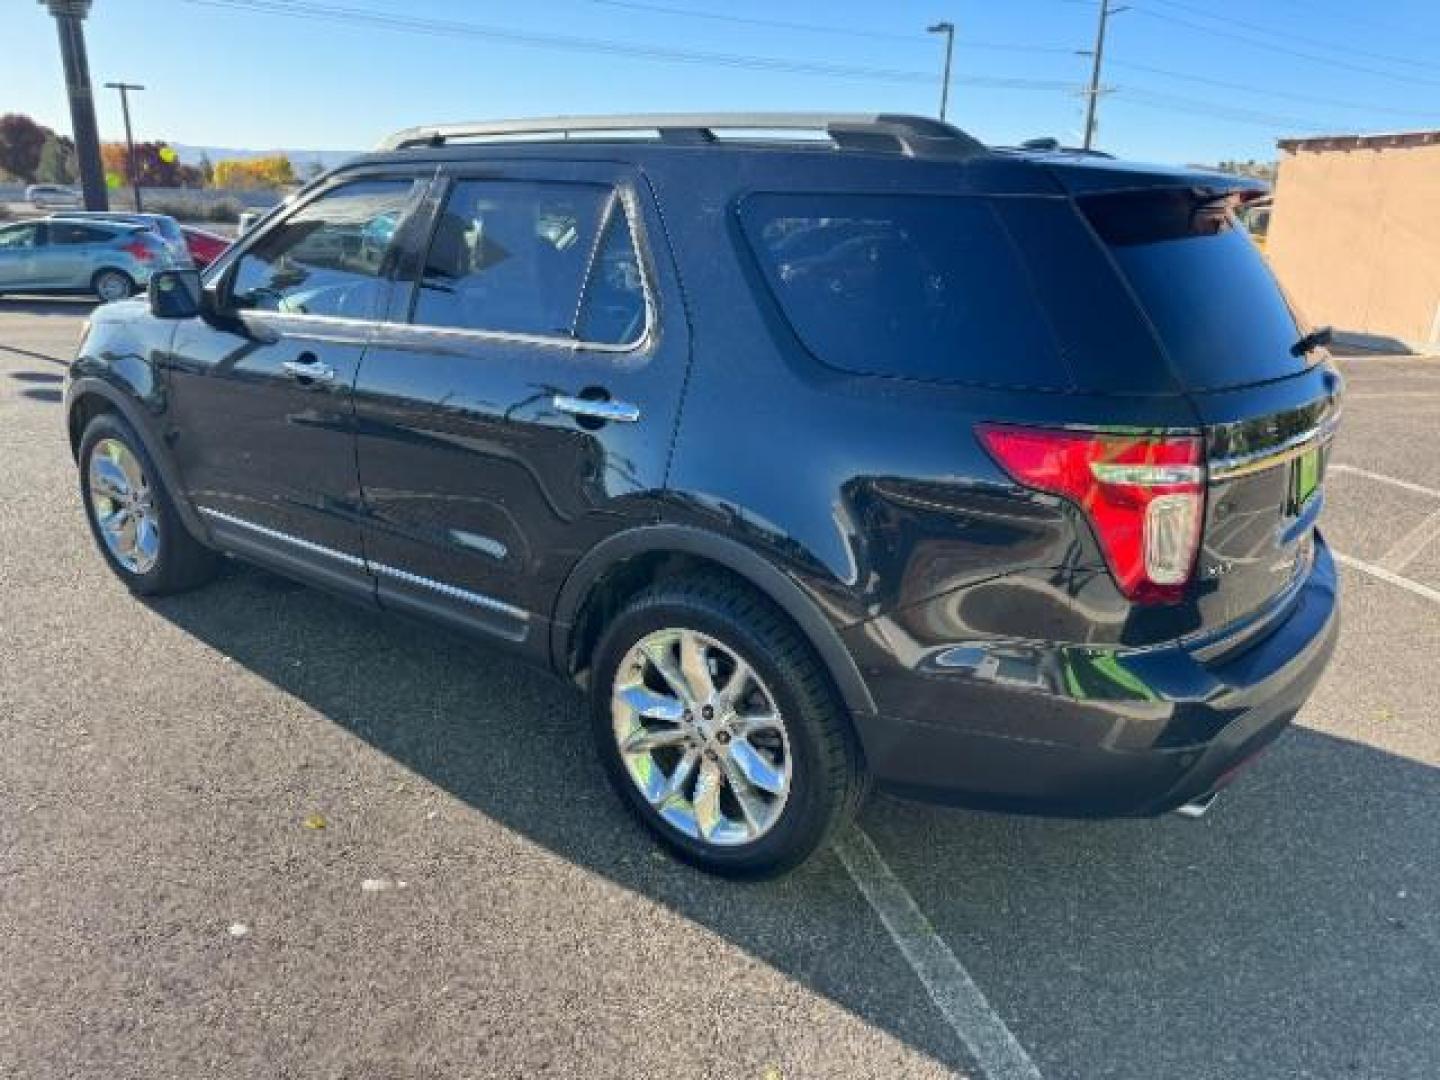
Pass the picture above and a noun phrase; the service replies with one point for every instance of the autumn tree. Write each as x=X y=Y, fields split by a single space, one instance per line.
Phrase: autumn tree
x=156 y=164
x=21 y=141
x=261 y=172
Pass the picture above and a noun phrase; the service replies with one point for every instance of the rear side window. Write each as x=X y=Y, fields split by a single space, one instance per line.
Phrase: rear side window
x=71 y=232
x=918 y=287
x=523 y=257
x=1213 y=301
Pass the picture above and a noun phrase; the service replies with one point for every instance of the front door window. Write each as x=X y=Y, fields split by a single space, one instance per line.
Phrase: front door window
x=331 y=258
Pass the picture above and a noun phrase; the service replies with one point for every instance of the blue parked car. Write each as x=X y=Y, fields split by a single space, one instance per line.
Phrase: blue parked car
x=111 y=259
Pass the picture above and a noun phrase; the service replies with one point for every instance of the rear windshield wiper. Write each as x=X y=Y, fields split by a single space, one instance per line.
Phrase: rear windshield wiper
x=1311 y=341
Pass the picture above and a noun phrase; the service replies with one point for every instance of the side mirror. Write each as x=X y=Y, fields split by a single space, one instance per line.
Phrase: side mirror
x=176 y=294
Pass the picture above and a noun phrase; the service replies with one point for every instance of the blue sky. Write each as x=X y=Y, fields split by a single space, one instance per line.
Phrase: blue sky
x=1193 y=80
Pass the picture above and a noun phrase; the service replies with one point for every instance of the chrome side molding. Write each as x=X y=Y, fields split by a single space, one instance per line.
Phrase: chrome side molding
x=1229 y=468
x=480 y=600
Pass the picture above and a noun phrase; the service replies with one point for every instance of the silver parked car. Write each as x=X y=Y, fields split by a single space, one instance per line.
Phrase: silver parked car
x=162 y=225
x=111 y=259
x=42 y=196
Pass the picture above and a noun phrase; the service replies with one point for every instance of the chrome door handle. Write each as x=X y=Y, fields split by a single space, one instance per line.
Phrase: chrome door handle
x=621 y=412
x=311 y=369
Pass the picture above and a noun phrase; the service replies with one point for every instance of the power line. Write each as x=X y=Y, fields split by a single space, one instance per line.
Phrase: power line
x=1366 y=20
x=1267 y=91
x=821 y=28
x=1195 y=106
x=1287 y=35
x=445 y=28
x=1268 y=47
x=345 y=14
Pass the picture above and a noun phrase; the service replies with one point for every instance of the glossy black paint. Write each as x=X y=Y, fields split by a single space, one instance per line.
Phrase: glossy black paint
x=970 y=626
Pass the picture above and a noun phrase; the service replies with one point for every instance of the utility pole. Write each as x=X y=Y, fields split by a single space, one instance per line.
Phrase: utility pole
x=948 y=29
x=132 y=169
x=1097 y=59
x=69 y=15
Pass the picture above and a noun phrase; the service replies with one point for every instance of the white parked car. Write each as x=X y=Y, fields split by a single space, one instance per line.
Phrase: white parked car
x=52 y=196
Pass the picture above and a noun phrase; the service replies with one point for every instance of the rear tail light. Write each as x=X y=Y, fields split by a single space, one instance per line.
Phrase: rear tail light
x=140 y=249
x=1144 y=495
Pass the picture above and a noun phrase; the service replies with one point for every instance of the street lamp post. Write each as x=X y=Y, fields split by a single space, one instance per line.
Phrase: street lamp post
x=131 y=167
x=948 y=29
x=69 y=17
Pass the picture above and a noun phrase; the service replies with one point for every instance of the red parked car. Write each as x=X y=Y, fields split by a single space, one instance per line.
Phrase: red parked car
x=205 y=247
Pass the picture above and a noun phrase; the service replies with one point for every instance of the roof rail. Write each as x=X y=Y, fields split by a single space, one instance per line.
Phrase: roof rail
x=913 y=136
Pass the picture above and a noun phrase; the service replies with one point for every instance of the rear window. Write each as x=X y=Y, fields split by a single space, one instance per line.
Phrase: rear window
x=918 y=287
x=1213 y=301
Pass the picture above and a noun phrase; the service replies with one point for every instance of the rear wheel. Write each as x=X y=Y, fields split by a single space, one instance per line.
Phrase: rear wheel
x=720 y=729
x=131 y=515
x=111 y=285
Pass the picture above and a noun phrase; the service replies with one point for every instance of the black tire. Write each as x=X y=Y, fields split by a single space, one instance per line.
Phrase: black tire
x=827 y=776
x=98 y=284
x=182 y=562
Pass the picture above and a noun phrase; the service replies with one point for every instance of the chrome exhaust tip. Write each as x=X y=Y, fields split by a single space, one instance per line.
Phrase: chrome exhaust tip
x=1196 y=808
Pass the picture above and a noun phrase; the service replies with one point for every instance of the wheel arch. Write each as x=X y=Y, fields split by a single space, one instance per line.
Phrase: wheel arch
x=624 y=563
x=89 y=397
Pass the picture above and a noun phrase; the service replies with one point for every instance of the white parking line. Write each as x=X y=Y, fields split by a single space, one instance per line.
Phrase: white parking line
x=1412 y=544
x=995 y=1050
x=1387 y=575
x=1393 y=481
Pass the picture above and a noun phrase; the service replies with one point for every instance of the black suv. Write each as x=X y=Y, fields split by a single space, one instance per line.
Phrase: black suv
x=819 y=449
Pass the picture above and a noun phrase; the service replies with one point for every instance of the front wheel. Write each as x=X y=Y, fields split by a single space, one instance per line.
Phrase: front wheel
x=720 y=729
x=131 y=515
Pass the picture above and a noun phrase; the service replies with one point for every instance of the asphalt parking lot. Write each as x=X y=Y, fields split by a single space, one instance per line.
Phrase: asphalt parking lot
x=476 y=904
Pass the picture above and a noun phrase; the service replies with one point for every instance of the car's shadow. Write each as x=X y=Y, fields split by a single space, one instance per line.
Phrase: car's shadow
x=1055 y=918
x=69 y=306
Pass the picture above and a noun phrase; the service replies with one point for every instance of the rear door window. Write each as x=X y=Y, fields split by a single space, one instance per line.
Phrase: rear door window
x=1206 y=289
x=539 y=258
x=916 y=287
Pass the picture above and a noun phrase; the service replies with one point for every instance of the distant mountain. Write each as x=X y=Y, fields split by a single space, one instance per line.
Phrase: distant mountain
x=301 y=159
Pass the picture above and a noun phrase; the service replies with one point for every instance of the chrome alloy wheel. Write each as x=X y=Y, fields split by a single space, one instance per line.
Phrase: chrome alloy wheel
x=701 y=737
x=124 y=508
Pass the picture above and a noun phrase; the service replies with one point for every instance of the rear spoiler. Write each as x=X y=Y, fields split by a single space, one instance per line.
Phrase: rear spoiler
x=1091 y=176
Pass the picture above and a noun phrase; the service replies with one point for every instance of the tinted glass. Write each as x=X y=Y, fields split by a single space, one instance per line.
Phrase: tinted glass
x=1104 y=339
x=511 y=256
x=329 y=258
x=918 y=287
x=72 y=232
x=612 y=311
x=1214 y=303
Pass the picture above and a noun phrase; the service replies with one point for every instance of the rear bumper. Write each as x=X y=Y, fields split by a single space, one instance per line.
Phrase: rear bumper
x=1092 y=732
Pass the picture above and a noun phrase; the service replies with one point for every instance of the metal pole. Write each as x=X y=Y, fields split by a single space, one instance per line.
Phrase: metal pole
x=69 y=15
x=1093 y=94
x=131 y=167
x=948 y=29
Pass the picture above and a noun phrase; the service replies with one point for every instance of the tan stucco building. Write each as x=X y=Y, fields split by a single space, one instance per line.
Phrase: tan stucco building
x=1355 y=233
